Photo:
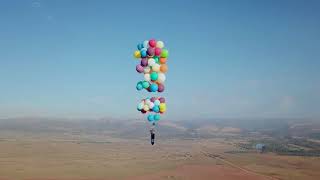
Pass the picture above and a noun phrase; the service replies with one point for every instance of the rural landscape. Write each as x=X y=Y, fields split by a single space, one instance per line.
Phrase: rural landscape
x=68 y=149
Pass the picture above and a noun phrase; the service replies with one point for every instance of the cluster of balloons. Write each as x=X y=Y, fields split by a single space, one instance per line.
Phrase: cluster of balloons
x=154 y=104
x=153 y=58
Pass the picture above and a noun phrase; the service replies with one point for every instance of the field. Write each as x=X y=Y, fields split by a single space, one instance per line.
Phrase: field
x=67 y=155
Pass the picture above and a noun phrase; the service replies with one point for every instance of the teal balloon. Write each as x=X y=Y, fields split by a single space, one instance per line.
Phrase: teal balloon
x=139 y=86
x=140 y=107
x=150 y=117
x=154 y=87
x=145 y=84
x=140 y=46
x=156 y=109
x=154 y=76
x=156 y=117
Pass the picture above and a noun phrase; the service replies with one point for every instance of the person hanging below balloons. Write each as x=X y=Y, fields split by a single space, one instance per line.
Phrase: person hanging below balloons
x=152 y=64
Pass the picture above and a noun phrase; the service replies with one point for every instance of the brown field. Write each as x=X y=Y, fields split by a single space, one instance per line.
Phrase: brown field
x=105 y=150
x=55 y=159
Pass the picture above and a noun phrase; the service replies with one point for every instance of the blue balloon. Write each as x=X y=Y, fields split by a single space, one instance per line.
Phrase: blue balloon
x=143 y=53
x=156 y=109
x=150 y=117
x=156 y=117
x=154 y=87
x=140 y=46
x=139 y=86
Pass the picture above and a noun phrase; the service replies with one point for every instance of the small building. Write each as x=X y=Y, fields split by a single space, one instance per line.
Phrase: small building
x=261 y=148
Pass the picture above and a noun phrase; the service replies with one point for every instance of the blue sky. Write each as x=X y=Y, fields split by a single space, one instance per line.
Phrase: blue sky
x=227 y=58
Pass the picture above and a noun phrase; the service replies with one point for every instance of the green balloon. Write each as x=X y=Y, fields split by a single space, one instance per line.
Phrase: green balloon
x=156 y=59
x=164 y=53
x=145 y=84
x=154 y=76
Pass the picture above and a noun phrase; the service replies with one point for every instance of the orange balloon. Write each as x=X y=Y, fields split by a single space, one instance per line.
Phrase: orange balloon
x=163 y=68
x=163 y=60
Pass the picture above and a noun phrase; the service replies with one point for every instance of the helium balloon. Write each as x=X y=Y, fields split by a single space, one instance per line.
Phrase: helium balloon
x=147 y=69
x=164 y=68
x=160 y=44
x=146 y=108
x=150 y=51
x=153 y=87
x=140 y=106
x=145 y=44
x=156 y=67
x=157 y=51
x=151 y=105
x=157 y=102
x=161 y=77
x=155 y=109
x=152 y=43
x=160 y=87
x=150 y=117
x=147 y=77
x=144 y=53
x=153 y=99
x=151 y=61
x=162 y=100
x=139 y=68
x=154 y=76
x=164 y=53
x=145 y=84
x=163 y=60
x=156 y=117
x=137 y=54
x=144 y=62
x=139 y=86
x=156 y=59
x=140 y=46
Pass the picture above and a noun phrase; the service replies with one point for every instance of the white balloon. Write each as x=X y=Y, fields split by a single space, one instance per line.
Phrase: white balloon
x=160 y=44
x=157 y=102
x=147 y=77
x=161 y=77
x=146 y=44
x=156 y=67
x=146 y=107
x=148 y=102
x=151 y=104
x=146 y=69
x=151 y=62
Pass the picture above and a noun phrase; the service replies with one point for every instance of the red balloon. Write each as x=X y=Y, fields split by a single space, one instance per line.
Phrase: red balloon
x=157 y=51
x=152 y=43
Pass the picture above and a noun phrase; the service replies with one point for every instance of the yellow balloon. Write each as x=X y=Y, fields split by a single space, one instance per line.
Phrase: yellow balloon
x=162 y=107
x=146 y=107
x=137 y=54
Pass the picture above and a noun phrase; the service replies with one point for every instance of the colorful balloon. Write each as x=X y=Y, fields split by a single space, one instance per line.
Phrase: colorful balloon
x=154 y=87
x=157 y=51
x=156 y=67
x=164 y=53
x=137 y=54
x=139 y=68
x=156 y=109
x=145 y=84
x=151 y=62
x=150 y=117
x=145 y=44
x=144 y=53
x=147 y=69
x=163 y=60
x=161 y=77
x=163 y=68
x=160 y=87
x=160 y=44
x=140 y=46
x=144 y=62
x=152 y=43
x=147 y=77
x=139 y=86
x=154 y=76
x=162 y=100
x=150 y=51
x=156 y=117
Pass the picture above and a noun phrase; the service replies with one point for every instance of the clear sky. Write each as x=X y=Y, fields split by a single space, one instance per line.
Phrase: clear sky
x=227 y=58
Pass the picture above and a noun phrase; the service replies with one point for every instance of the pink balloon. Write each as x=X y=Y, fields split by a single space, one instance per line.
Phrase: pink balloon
x=160 y=88
x=151 y=51
x=152 y=43
x=162 y=100
x=139 y=68
x=153 y=99
x=144 y=62
x=157 y=51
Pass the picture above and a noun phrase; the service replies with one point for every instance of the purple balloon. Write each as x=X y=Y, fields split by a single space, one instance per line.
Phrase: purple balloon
x=144 y=62
x=160 y=88
x=162 y=100
x=139 y=68
x=153 y=99
x=150 y=51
